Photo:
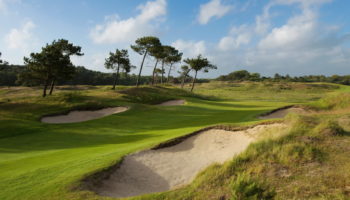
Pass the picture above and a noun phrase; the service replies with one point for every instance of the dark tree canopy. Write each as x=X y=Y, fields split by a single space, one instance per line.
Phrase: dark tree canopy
x=52 y=63
x=119 y=57
x=128 y=67
x=143 y=46
x=2 y=62
x=173 y=55
x=185 y=70
x=199 y=64
x=117 y=60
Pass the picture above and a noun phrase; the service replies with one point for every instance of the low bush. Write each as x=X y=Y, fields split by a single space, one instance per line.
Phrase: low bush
x=244 y=187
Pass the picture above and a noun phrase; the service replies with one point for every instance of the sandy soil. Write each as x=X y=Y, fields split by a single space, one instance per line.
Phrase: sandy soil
x=169 y=168
x=172 y=103
x=282 y=113
x=80 y=116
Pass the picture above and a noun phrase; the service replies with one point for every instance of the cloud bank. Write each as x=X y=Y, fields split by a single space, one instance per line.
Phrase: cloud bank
x=301 y=45
x=116 y=30
x=212 y=9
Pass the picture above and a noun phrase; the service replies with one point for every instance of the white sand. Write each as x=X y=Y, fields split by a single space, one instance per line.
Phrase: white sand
x=80 y=116
x=172 y=103
x=169 y=168
x=282 y=113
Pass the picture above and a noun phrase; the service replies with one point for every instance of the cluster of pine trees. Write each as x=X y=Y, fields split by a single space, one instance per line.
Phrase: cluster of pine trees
x=53 y=65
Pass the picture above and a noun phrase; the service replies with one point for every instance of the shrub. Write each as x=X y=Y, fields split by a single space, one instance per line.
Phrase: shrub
x=244 y=187
x=338 y=101
x=329 y=128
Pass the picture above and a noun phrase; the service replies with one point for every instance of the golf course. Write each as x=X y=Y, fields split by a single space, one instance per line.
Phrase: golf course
x=59 y=161
x=175 y=100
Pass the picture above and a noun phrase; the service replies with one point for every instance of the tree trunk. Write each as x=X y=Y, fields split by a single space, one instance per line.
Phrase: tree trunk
x=138 y=77
x=126 y=77
x=154 y=71
x=168 y=80
x=161 y=79
x=183 y=82
x=52 y=86
x=194 y=81
x=45 y=87
x=115 y=81
x=116 y=78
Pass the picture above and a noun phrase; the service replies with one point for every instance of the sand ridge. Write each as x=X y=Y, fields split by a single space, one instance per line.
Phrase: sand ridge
x=81 y=116
x=168 y=168
x=173 y=103
x=283 y=112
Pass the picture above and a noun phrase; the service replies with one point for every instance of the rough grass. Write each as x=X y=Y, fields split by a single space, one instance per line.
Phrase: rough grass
x=304 y=164
x=265 y=91
x=44 y=161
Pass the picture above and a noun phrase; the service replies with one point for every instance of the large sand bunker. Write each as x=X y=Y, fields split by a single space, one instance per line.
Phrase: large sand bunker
x=172 y=103
x=80 y=116
x=280 y=113
x=171 y=167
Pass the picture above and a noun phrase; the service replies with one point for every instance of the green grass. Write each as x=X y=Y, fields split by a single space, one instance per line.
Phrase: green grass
x=44 y=161
x=266 y=91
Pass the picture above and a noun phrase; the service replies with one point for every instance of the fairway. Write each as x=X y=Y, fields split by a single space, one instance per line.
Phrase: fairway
x=47 y=161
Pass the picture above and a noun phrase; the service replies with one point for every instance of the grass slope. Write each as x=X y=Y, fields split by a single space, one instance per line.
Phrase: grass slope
x=310 y=162
x=44 y=161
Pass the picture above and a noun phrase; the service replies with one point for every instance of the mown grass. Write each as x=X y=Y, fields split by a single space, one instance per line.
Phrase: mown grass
x=44 y=161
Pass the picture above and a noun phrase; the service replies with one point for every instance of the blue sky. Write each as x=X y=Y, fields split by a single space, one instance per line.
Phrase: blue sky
x=295 y=37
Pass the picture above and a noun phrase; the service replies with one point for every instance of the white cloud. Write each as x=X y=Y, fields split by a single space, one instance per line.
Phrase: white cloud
x=116 y=30
x=4 y=5
x=212 y=9
x=297 y=32
x=302 y=45
x=237 y=37
x=263 y=21
x=20 y=38
x=303 y=3
x=93 y=61
x=190 y=48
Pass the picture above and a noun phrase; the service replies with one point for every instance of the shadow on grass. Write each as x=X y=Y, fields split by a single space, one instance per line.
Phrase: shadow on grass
x=230 y=104
x=21 y=130
x=49 y=141
x=129 y=127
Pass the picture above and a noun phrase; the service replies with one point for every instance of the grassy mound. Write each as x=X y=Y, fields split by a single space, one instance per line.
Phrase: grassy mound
x=310 y=162
x=155 y=95
x=276 y=91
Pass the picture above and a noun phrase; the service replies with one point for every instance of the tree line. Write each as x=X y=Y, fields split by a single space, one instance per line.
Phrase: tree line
x=53 y=64
x=11 y=75
x=244 y=75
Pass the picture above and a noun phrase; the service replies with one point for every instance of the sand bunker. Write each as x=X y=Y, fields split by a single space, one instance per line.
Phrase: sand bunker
x=80 y=116
x=168 y=168
x=283 y=112
x=172 y=103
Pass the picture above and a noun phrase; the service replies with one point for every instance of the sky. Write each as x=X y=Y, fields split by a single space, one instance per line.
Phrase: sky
x=295 y=37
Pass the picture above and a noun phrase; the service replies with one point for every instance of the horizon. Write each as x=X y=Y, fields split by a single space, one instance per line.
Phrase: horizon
x=295 y=37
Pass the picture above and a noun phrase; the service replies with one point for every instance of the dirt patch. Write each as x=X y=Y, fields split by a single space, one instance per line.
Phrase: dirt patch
x=81 y=116
x=172 y=103
x=282 y=112
x=162 y=169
